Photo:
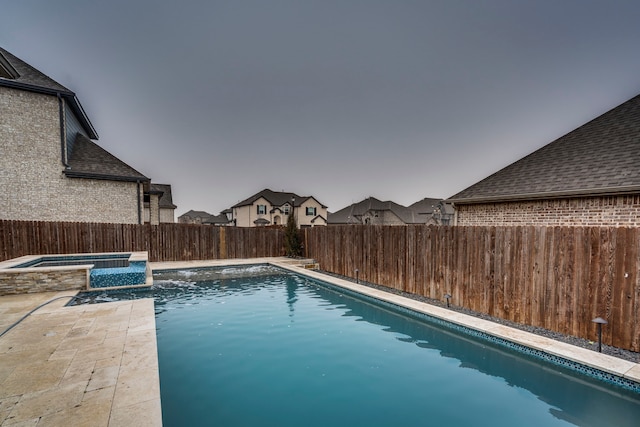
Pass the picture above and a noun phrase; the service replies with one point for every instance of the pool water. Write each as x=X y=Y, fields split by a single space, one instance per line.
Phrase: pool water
x=99 y=261
x=282 y=350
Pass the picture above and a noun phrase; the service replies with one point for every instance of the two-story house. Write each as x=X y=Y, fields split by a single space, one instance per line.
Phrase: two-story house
x=51 y=168
x=273 y=208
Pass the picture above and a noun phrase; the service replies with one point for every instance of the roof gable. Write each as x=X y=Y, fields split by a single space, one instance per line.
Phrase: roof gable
x=20 y=75
x=600 y=157
x=28 y=75
x=320 y=219
x=311 y=199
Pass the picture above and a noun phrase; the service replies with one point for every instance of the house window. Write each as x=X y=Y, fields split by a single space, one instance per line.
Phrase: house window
x=286 y=209
x=262 y=209
x=311 y=211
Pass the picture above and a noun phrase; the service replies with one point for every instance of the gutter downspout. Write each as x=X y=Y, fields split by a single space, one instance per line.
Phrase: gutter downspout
x=138 y=191
x=62 y=132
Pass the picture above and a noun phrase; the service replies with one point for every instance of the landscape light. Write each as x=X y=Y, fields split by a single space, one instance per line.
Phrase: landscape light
x=599 y=321
x=447 y=297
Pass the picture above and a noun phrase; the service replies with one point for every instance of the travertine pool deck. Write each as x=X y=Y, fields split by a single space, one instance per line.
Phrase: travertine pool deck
x=86 y=365
x=97 y=364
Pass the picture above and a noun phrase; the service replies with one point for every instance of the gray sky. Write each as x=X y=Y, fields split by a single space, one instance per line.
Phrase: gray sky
x=338 y=99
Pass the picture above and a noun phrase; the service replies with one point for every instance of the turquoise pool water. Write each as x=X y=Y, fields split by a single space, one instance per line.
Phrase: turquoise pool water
x=281 y=350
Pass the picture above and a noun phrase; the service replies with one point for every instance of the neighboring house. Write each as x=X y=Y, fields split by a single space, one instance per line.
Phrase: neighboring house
x=588 y=177
x=158 y=205
x=194 y=217
x=372 y=211
x=202 y=217
x=219 y=220
x=51 y=168
x=433 y=211
x=268 y=208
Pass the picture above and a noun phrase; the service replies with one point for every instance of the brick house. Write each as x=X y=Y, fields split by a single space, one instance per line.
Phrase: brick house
x=51 y=168
x=588 y=177
x=273 y=208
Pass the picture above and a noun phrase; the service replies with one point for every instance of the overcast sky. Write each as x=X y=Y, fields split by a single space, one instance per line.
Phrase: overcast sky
x=336 y=99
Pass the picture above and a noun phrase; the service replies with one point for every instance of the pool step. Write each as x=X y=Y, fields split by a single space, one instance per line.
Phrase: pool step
x=306 y=263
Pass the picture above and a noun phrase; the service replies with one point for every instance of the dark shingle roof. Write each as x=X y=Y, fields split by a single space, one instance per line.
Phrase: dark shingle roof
x=89 y=160
x=28 y=75
x=352 y=214
x=166 y=199
x=276 y=198
x=220 y=219
x=600 y=157
x=425 y=206
x=28 y=78
x=195 y=214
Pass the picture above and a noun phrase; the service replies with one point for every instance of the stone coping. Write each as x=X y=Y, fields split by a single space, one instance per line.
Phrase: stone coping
x=134 y=256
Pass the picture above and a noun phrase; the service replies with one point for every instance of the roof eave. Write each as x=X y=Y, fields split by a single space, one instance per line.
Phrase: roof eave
x=87 y=175
x=609 y=191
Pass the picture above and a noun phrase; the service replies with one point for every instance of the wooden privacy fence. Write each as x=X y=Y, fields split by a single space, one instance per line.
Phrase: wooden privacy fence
x=558 y=278
x=164 y=242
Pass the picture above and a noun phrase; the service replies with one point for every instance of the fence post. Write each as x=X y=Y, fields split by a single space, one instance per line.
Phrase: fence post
x=223 y=243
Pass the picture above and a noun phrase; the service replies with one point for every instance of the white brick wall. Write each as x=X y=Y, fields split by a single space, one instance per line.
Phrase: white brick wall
x=32 y=185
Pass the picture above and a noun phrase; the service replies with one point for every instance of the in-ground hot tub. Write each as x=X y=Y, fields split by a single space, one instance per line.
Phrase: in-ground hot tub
x=42 y=273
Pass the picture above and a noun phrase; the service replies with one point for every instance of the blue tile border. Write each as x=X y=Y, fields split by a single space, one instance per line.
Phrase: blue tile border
x=133 y=275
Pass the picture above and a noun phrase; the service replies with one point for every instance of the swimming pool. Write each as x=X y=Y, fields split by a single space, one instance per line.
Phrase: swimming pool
x=281 y=349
